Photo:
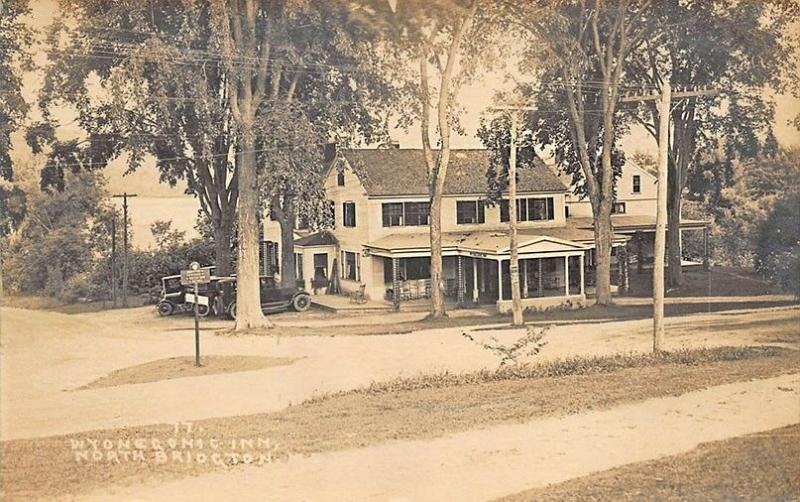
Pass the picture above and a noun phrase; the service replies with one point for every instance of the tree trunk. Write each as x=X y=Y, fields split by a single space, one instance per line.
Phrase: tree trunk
x=674 y=252
x=248 y=290
x=675 y=187
x=602 y=242
x=286 y=221
x=437 y=279
x=222 y=246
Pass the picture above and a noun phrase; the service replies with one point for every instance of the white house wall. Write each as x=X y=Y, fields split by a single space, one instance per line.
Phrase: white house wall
x=642 y=203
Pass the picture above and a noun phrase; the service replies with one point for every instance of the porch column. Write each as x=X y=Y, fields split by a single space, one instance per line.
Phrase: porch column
x=706 y=235
x=583 y=274
x=524 y=278
x=566 y=276
x=499 y=280
x=460 y=281
x=621 y=252
x=639 y=252
x=627 y=265
x=475 y=280
x=540 y=291
x=396 y=284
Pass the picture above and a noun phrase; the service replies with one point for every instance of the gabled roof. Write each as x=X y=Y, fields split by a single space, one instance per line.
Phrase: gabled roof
x=403 y=172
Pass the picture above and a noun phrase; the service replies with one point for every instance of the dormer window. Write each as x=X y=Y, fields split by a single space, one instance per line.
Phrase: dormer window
x=340 y=178
x=637 y=183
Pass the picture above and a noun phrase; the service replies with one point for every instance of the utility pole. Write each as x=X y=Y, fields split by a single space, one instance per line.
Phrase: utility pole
x=513 y=269
x=516 y=301
x=124 y=197
x=114 y=260
x=665 y=105
x=661 y=218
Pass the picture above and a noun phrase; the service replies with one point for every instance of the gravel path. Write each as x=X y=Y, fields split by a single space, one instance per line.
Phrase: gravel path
x=45 y=356
x=487 y=463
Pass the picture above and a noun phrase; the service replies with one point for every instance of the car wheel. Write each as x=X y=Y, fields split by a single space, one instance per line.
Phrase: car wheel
x=203 y=310
x=165 y=309
x=232 y=310
x=301 y=303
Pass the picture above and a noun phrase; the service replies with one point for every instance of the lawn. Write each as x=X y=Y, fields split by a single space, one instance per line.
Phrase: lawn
x=718 y=281
x=418 y=408
x=182 y=367
x=586 y=315
x=755 y=467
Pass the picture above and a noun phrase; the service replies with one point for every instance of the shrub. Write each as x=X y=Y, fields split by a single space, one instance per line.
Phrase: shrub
x=778 y=247
x=570 y=366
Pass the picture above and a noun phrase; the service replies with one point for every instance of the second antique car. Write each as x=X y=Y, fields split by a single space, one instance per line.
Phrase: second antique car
x=273 y=298
x=174 y=296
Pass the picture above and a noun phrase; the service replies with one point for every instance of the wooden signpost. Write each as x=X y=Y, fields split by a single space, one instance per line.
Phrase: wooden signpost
x=194 y=277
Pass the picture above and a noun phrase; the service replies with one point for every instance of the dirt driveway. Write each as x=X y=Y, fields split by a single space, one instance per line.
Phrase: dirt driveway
x=45 y=356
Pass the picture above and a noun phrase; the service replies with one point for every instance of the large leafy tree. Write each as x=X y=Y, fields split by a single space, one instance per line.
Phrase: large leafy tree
x=144 y=81
x=581 y=49
x=200 y=85
x=15 y=41
x=278 y=53
x=54 y=242
x=325 y=87
x=449 y=41
x=739 y=48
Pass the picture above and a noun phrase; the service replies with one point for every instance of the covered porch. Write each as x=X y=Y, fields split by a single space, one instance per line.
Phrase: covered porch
x=476 y=270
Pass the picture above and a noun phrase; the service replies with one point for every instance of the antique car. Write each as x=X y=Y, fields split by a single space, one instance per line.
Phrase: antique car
x=273 y=297
x=174 y=298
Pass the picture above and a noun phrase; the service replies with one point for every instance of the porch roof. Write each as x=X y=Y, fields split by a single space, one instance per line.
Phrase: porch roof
x=323 y=238
x=493 y=242
x=632 y=222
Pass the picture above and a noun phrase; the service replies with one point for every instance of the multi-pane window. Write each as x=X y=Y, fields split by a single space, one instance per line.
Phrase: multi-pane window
x=349 y=214
x=321 y=266
x=396 y=214
x=350 y=268
x=392 y=214
x=618 y=208
x=530 y=209
x=417 y=213
x=637 y=183
x=470 y=212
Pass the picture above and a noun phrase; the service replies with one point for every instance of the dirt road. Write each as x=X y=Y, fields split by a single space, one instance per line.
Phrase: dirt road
x=45 y=356
x=487 y=463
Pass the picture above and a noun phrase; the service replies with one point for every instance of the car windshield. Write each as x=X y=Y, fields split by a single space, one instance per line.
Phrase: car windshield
x=172 y=284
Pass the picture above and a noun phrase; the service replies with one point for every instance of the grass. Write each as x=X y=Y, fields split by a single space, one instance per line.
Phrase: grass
x=755 y=467
x=587 y=315
x=566 y=367
x=50 y=304
x=181 y=367
x=421 y=408
x=718 y=281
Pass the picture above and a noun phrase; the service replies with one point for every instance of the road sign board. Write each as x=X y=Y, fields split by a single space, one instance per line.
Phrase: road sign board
x=189 y=277
x=202 y=300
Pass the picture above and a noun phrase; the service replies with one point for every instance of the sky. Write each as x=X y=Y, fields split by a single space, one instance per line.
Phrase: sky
x=475 y=99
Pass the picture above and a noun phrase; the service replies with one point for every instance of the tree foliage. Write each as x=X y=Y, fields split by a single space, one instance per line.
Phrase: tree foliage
x=741 y=49
x=16 y=39
x=778 y=245
x=58 y=238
